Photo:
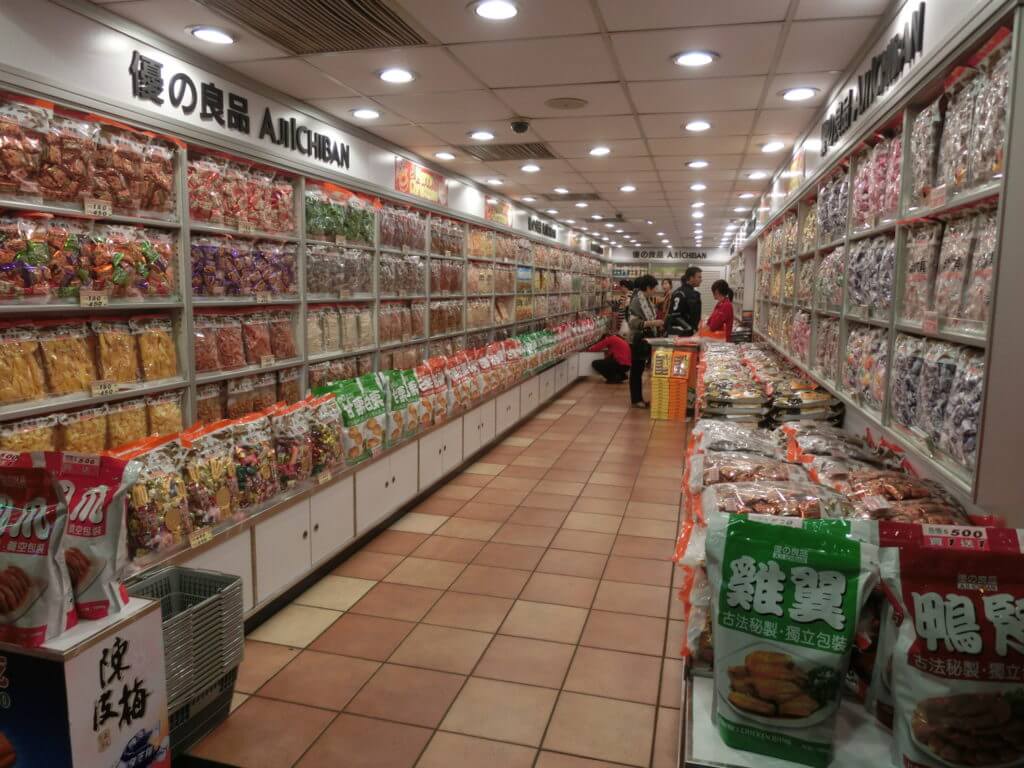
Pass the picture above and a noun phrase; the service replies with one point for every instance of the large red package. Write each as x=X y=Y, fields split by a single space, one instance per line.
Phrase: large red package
x=36 y=602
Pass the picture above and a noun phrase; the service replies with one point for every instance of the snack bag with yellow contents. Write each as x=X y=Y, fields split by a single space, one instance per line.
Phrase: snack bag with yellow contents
x=785 y=604
x=374 y=419
x=403 y=397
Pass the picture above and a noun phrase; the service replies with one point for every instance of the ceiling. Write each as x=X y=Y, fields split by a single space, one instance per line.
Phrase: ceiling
x=616 y=55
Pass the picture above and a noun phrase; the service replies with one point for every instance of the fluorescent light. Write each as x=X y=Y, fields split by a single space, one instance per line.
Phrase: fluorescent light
x=496 y=10
x=619 y=231
x=551 y=212
x=609 y=225
x=697 y=164
x=595 y=216
x=800 y=93
x=627 y=188
x=528 y=199
x=569 y=221
x=698 y=204
x=481 y=135
x=581 y=204
x=665 y=242
x=696 y=126
x=495 y=182
x=600 y=151
x=649 y=222
x=530 y=168
x=694 y=58
x=561 y=190
x=757 y=175
x=698 y=214
x=365 y=113
x=747 y=195
x=740 y=209
x=444 y=155
x=773 y=146
x=698 y=187
x=396 y=75
x=660 y=234
x=211 y=35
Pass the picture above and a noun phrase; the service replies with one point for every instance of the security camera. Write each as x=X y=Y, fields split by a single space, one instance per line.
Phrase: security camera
x=519 y=125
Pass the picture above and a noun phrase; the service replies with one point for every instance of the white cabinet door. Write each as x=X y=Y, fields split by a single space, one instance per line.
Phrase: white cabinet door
x=282 y=550
x=487 y=415
x=332 y=515
x=503 y=410
x=529 y=391
x=232 y=556
x=373 y=502
x=546 y=385
x=451 y=448
x=403 y=483
x=471 y=426
x=431 y=458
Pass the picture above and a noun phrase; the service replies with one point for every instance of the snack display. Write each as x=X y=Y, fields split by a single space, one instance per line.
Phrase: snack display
x=988 y=138
x=779 y=499
x=828 y=287
x=21 y=367
x=288 y=385
x=954 y=259
x=938 y=370
x=954 y=148
x=827 y=348
x=158 y=357
x=84 y=431
x=907 y=362
x=116 y=356
x=339 y=215
x=224 y=266
x=126 y=422
x=925 y=135
x=446 y=236
x=832 y=207
x=402 y=228
x=333 y=272
x=871 y=270
x=255 y=465
x=36 y=434
x=864 y=369
x=919 y=268
x=403 y=403
x=401 y=275
x=959 y=437
x=978 y=289
x=164 y=413
x=226 y=192
x=293 y=444
x=158 y=517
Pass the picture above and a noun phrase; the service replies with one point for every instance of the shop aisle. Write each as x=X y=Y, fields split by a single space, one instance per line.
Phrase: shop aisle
x=520 y=616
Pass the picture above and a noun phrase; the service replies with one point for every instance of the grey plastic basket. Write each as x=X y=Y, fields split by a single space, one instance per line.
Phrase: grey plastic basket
x=202 y=626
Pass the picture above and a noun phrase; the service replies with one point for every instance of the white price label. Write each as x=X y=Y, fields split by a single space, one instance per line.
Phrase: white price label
x=955 y=537
x=405 y=249
x=88 y=298
x=874 y=503
x=339 y=239
x=99 y=208
x=323 y=477
x=247 y=227
x=103 y=388
x=448 y=254
x=200 y=537
x=262 y=298
x=930 y=321
x=937 y=196
x=267 y=360
x=344 y=293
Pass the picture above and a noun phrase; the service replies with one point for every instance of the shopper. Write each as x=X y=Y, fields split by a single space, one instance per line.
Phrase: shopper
x=666 y=298
x=643 y=320
x=620 y=303
x=685 y=304
x=616 y=361
x=722 y=316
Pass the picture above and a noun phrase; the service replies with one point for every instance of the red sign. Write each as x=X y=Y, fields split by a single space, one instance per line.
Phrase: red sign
x=414 y=179
x=499 y=212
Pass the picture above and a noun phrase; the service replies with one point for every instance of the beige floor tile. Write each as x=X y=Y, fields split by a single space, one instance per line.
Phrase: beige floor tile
x=641 y=599
x=365 y=564
x=652 y=529
x=638 y=570
x=420 y=572
x=457 y=492
x=483 y=613
x=666 y=739
x=527 y=661
x=445 y=649
x=294 y=625
x=541 y=621
x=605 y=729
x=482 y=468
x=237 y=700
x=615 y=675
x=584 y=521
x=538 y=462
x=517 y=442
x=338 y=593
x=447 y=548
x=549 y=518
x=569 y=563
x=597 y=491
x=671 y=683
x=260 y=663
x=362 y=742
x=512 y=483
x=468 y=528
x=504 y=496
x=495 y=513
x=498 y=710
x=509 y=556
x=453 y=750
x=414 y=522
x=624 y=632
x=652 y=511
x=560 y=590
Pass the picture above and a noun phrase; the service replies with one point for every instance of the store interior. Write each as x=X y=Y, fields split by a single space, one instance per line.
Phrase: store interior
x=307 y=454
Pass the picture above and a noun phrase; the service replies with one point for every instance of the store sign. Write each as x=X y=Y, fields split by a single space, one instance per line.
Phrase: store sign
x=541 y=227
x=499 y=212
x=656 y=254
x=884 y=69
x=413 y=179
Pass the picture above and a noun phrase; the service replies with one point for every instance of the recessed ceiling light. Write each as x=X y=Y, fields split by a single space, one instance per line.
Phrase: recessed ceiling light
x=747 y=195
x=396 y=75
x=627 y=188
x=697 y=126
x=698 y=214
x=650 y=222
x=694 y=58
x=757 y=175
x=561 y=190
x=530 y=168
x=698 y=204
x=660 y=234
x=570 y=221
x=666 y=242
x=801 y=93
x=813 y=145
x=619 y=231
x=581 y=204
x=528 y=199
x=698 y=187
x=211 y=35
x=551 y=212
x=495 y=182
x=697 y=164
x=600 y=151
x=481 y=135
x=496 y=10
x=595 y=216
x=740 y=209
x=609 y=225
x=773 y=146
x=444 y=155
x=365 y=113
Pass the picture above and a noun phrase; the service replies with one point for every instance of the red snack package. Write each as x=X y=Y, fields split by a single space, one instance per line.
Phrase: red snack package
x=36 y=602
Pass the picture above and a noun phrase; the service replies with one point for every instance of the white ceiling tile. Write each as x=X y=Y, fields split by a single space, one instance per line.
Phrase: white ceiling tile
x=584 y=164
x=402 y=135
x=734 y=123
x=584 y=128
x=744 y=49
x=788 y=121
x=294 y=77
x=602 y=99
x=816 y=46
x=702 y=147
x=822 y=9
x=711 y=95
x=343 y=108
x=618 y=178
x=549 y=168
x=434 y=68
x=170 y=18
x=823 y=81
x=659 y=14
x=439 y=107
x=543 y=61
x=453 y=21
x=581 y=149
x=458 y=133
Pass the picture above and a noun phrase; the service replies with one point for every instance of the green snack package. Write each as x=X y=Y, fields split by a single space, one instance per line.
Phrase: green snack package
x=403 y=399
x=785 y=603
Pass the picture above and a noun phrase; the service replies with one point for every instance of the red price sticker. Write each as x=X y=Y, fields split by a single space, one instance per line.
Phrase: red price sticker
x=969 y=537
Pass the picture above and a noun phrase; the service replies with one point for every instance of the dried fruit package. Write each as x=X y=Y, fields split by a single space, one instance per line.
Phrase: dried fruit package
x=21 y=368
x=785 y=606
x=925 y=135
x=256 y=337
x=230 y=347
x=36 y=434
x=293 y=444
x=255 y=465
x=325 y=428
x=962 y=420
x=988 y=140
x=921 y=264
x=116 y=353
x=282 y=336
x=67 y=357
x=36 y=599
x=22 y=128
x=958 y=658
x=204 y=343
x=158 y=357
x=288 y=385
x=164 y=413
x=907 y=362
x=84 y=431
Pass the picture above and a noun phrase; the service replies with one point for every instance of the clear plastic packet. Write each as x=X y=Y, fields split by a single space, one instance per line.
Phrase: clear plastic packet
x=164 y=413
x=988 y=140
x=962 y=418
x=331 y=329
x=325 y=271
x=264 y=391
x=241 y=399
x=827 y=348
x=939 y=369
x=157 y=196
x=925 y=136
x=210 y=482
x=22 y=128
x=116 y=169
x=713 y=467
x=954 y=148
x=718 y=435
x=205 y=189
x=780 y=499
x=21 y=368
x=314 y=331
x=67 y=356
x=325 y=428
x=126 y=422
x=828 y=293
x=288 y=385
x=210 y=403
x=230 y=346
x=293 y=444
x=26 y=259
x=158 y=358
x=890 y=200
x=141 y=262
x=954 y=259
x=68 y=146
x=255 y=465
x=256 y=335
x=35 y=434
x=84 y=431
x=978 y=288
x=282 y=336
x=319 y=375
x=920 y=265
x=907 y=363
x=204 y=343
x=116 y=351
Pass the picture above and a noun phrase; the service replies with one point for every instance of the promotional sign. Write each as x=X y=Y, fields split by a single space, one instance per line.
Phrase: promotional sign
x=498 y=211
x=651 y=254
x=413 y=179
x=541 y=227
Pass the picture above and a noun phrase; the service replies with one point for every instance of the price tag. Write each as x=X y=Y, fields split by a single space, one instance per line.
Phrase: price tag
x=937 y=196
x=323 y=477
x=930 y=321
x=200 y=537
x=875 y=502
x=262 y=298
x=246 y=227
x=99 y=208
x=344 y=293
x=447 y=254
x=339 y=239
x=103 y=388
x=405 y=249
x=218 y=290
x=267 y=360
x=955 y=537
x=89 y=298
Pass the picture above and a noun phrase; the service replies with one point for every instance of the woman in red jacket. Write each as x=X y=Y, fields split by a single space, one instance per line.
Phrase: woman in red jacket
x=721 y=316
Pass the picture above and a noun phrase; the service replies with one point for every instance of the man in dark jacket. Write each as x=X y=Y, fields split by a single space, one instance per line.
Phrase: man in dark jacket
x=685 y=302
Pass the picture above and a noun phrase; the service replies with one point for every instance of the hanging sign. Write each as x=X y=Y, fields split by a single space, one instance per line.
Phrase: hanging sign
x=596 y=248
x=413 y=179
x=499 y=212
x=653 y=254
x=541 y=227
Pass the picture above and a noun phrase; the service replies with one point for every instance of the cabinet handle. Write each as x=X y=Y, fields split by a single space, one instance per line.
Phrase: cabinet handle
x=316 y=527
x=392 y=478
x=438 y=451
x=305 y=534
x=386 y=483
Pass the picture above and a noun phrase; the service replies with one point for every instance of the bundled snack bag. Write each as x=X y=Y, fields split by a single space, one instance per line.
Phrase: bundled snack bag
x=326 y=426
x=211 y=482
x=403 y=399
x=255 y=466
x=785 y=606
x=292 y=443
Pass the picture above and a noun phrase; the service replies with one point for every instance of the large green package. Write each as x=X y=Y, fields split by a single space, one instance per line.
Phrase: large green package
x=403 y=402
x=785 y=605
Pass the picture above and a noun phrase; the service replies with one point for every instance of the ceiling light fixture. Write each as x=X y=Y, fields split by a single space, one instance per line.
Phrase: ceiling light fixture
x=650 y=222
x=627 y=188
x=698 y=187
x=660 y=234
x=396 y=75
x=495 y=182
x=528 y=199
x=595 y=216
x=666 y=242
x=569 y=221
x=496 y=10
x=747 y=195
x=210 y=35
x=697 y=126
x=609 y=225
x=581 y=205
x=697 y=164
x=698 y=204
x=773 y=146
x=551 y=212
x=481 y=135
x=694 y=58
x=530 y=168
x=740 y=209
x=444 y=155
x=619 y=231
x=600 y=151
x=562 y=190
x=813 y=145
x=800 y=93
x=365 y=113
x=757 y=175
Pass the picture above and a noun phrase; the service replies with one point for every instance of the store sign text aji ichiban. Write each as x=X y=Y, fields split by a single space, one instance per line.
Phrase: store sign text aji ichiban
x=661 y=254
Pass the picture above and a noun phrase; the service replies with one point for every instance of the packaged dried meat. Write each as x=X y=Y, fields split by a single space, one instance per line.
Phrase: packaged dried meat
x=780 y=499
x=282 y=336
x=163 y=413
x=230 y=347
x=210 y=403
x=116 y=354
x=116 y=169
x=23 y=125
x=126 y=423
x=84 y=431
x=21 y=368
x=158 y=188
x=204 y=343
x=36 y=434
x=158 y=357
x=288 y=387
x=256 y=336
x=293 y=444
x=264 y=391
x=241 y=399
x=67 y=149
x=67 y=357
x=255 y=465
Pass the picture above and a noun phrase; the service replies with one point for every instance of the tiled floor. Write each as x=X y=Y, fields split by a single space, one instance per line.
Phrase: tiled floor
x=521 y=616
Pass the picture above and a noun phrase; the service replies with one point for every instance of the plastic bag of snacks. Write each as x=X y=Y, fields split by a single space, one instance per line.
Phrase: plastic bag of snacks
x=941 y=361
x=907 y=362
x=116 y=356
x=21 y=368
x=925 y=135
x=954 y=148
x=163 y=413
x=67 y=359
x=36 y=600
x=210 y=480
x=325 y=428
x=920 y=267
x=126 y=422
x=282 y=336
x=954 y=258
x=158 y=357
x=988 y=141
x=962 y=420
x=230 y=346
x=707 y=469
x=68 y=146
x=204 y=342
x=241 y=399
x=255 y=465
x=210 y=403
x=35 y=434
x=403 y=400
x=785 y=606
x=978 y=289
x=956 y=645
x=293 y=445
x=288 y=385
x=256 y=335
x=779 y=499
x=84 y=431
x=22 y=125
